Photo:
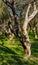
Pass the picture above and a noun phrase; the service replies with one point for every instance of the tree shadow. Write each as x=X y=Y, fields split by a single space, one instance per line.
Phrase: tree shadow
x=6 y=49
x=34 y=48
x=10 y=57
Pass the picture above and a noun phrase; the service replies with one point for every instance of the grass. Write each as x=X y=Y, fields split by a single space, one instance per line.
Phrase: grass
x=12 y=52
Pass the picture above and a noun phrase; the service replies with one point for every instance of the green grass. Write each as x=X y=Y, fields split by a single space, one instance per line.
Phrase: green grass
x=12 y=52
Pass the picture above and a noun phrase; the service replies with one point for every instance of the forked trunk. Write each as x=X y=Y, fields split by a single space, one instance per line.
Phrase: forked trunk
x=27 y=20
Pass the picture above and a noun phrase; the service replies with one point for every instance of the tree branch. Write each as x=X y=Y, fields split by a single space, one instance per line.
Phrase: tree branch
x=32 y=15
x=7 y=3
x=26 y=17
x=29 y=18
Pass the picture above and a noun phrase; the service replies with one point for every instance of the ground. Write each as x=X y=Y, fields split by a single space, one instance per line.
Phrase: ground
x=12 y=52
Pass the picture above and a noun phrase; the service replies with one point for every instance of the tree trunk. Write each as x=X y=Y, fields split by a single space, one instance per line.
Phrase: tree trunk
x=27 y=20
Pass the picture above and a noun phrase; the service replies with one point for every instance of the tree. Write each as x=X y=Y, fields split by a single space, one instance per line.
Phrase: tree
x=24 y=39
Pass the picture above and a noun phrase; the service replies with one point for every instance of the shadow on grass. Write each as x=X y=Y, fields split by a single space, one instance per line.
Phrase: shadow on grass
x=9 y=57
x=35 y=48
x=6 y=49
